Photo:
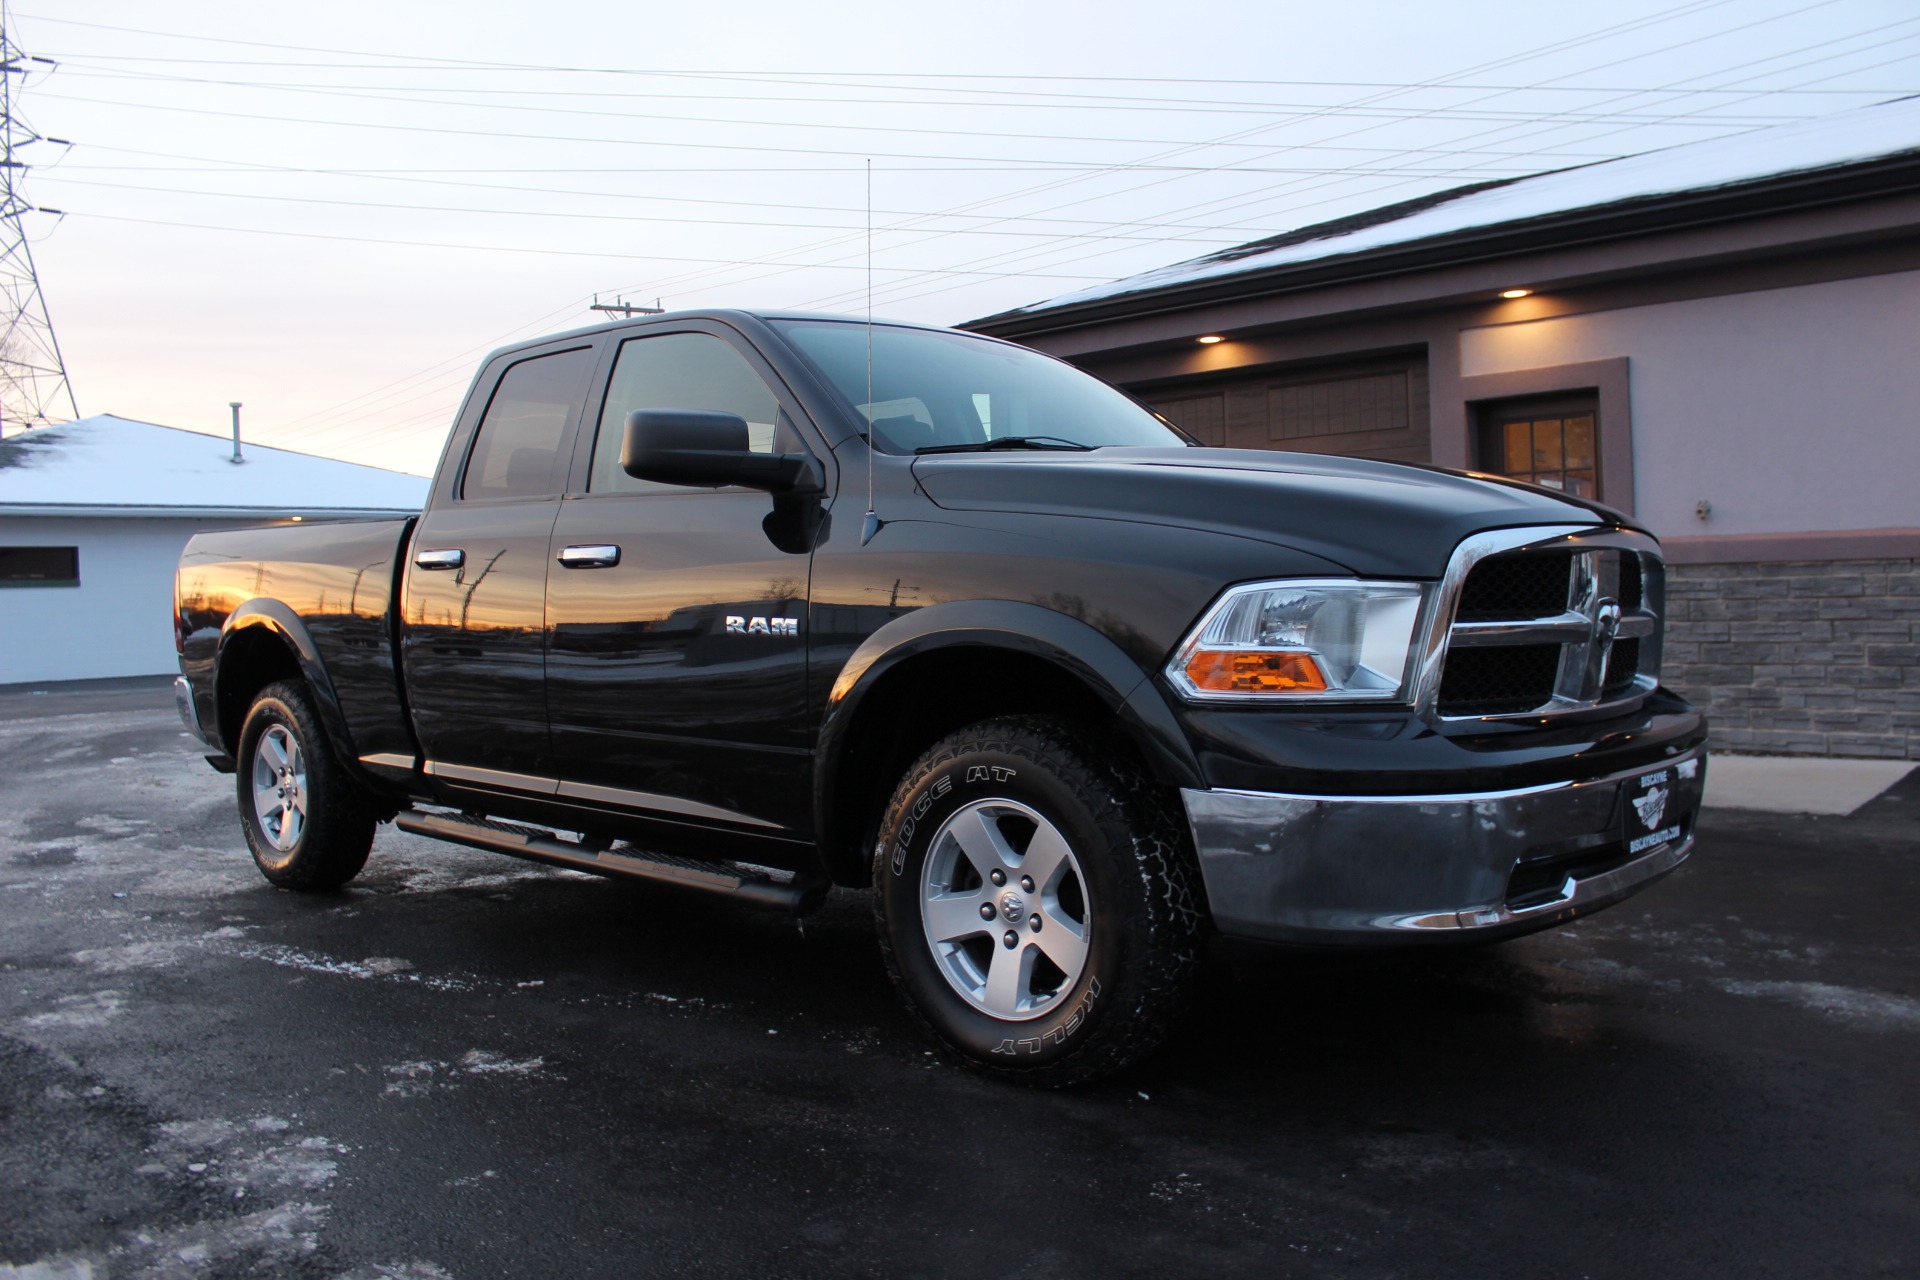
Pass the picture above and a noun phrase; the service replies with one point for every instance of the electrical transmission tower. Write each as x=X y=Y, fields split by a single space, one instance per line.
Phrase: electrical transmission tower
x=33 y=378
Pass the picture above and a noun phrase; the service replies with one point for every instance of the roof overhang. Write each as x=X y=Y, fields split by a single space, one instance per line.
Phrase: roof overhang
x=1767 y=198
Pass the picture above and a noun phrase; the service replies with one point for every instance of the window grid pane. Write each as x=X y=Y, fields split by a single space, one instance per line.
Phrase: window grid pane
x=1557 y=452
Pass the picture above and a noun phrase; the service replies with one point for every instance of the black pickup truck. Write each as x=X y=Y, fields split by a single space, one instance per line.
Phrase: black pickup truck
x=760 y=603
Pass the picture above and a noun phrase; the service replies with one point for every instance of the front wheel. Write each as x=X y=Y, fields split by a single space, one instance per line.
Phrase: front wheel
x=1038 y=902
x=307 y=823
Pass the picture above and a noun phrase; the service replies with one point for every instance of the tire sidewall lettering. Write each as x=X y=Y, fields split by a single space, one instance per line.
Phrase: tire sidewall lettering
x=935 y=798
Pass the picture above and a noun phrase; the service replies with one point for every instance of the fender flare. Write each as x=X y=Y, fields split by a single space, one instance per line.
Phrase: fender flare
x=1014 y=626
x=287 y=626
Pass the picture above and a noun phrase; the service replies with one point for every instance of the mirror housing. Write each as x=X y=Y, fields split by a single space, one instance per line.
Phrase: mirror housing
x=698 y=447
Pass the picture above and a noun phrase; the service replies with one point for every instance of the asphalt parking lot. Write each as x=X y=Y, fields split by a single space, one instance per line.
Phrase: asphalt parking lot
x=467 y=1066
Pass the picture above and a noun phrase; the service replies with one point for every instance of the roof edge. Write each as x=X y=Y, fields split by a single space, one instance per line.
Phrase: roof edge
x=1643 y=215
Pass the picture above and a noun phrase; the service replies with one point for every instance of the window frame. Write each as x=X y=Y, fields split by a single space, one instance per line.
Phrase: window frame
x=33 y=584
x=579 y=473
x=1607 y=381
x=450 y=477
x=1492 y=416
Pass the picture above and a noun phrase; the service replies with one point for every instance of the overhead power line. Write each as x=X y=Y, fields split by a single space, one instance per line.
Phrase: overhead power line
x=895 y=290
x=527 y=249
x=413 y=95
x=1013 y=257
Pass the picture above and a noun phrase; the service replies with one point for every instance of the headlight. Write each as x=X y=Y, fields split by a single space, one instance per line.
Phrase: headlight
x=1331 y=640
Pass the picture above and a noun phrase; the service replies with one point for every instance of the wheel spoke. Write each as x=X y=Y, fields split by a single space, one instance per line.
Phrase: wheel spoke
x=1046 y=858
x=981 y=841
x=1065 y=942
x=271 y=747
x=290 y=827
x=1009 y=979
x=955 y=916
x=267 y=803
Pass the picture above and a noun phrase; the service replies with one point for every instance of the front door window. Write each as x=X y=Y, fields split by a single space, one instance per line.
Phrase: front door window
x=678 y=371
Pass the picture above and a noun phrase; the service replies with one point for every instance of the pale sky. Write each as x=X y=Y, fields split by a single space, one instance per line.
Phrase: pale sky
x=331 y=212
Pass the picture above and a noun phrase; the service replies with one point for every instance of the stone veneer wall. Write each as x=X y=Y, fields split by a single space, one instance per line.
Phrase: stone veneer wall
x=1805 y=658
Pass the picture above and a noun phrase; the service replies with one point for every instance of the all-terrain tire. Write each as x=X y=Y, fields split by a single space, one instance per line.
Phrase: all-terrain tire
x=308 y=824
x=1099 y=980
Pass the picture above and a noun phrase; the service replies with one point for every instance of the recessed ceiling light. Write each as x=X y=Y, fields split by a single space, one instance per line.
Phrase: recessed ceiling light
x=1515 y=293
x=1210 y=338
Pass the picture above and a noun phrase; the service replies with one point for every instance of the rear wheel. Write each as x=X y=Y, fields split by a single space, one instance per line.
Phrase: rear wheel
x=307 y=823
x=1037 y=901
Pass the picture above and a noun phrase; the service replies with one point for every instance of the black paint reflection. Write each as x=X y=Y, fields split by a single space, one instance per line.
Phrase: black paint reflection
x=337 y=578
x=648 y=689
x=472 y=648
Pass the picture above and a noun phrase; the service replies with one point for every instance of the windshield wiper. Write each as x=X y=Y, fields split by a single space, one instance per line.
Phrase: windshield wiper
x=1009 y=442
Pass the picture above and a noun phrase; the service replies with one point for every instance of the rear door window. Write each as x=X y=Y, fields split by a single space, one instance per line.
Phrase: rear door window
x=516 y=452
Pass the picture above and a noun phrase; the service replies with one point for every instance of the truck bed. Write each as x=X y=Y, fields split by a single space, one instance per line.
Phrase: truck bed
x=328 y=587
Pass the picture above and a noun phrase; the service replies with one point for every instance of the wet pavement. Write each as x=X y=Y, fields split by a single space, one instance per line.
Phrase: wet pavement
x=468 y=1066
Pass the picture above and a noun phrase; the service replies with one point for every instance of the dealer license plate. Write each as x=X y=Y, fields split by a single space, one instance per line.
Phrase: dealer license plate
x=1652 y=816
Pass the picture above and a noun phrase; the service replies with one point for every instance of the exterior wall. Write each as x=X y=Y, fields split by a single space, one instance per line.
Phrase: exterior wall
x=117 y=622
x=1789 y=410
x=1804 y=658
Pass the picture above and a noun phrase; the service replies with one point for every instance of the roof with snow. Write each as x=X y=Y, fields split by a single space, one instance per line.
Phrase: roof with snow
x=105 y=465
x=1832 y=144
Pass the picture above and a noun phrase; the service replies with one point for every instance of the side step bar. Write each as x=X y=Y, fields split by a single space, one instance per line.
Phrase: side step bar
x=800 y=895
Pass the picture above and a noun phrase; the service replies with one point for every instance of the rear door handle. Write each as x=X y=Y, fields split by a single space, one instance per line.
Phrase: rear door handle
x=449 y=558
x=600 y=555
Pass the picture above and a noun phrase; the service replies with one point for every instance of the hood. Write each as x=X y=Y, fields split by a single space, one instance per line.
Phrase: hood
x=1378 y=519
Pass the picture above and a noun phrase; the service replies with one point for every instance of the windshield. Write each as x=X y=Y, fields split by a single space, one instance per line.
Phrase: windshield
x=942 y=390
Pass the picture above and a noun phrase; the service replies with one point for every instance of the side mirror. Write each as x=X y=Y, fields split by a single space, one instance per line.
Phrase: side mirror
x=696 y=447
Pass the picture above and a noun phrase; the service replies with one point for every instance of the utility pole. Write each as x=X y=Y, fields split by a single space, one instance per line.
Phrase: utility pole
x=33 y=377
x=625 y=308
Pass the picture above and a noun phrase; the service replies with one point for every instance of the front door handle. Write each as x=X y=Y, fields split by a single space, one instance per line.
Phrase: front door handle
x=600 y=555
x=449 y=558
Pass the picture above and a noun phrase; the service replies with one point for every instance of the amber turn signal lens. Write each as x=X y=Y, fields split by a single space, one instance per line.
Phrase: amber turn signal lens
x=1238 y=672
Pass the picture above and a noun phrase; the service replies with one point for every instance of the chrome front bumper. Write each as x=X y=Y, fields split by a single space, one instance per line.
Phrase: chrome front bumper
x=1387 y=869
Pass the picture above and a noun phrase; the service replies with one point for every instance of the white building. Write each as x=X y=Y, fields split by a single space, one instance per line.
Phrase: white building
x=94 y=513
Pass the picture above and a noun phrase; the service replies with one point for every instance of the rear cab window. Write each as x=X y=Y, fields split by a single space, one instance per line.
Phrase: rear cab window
x=517 y=448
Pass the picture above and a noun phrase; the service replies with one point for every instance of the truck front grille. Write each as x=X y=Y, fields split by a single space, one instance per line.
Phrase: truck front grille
x=1515 y=586
x=1567 y=625
x=1505 y=681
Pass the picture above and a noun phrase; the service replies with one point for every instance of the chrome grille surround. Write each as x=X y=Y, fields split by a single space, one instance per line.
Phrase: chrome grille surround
x=1587 y=629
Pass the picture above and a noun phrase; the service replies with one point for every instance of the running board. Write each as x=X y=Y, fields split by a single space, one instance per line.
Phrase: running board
x=800 y=895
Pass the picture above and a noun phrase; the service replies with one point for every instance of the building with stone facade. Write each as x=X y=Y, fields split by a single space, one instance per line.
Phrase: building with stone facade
x=1722 y=339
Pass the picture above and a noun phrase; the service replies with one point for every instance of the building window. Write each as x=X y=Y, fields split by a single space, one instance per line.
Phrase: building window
x=39 y=566
x=1546 y=442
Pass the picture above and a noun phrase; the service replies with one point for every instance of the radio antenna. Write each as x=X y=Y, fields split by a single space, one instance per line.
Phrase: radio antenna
x=871 y=525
